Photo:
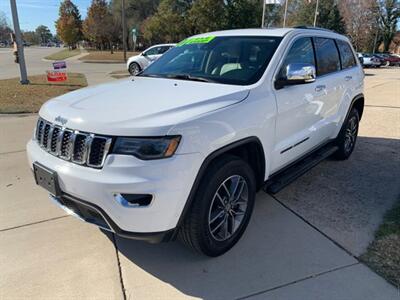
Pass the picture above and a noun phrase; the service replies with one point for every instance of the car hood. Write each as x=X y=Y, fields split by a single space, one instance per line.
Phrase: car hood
x=139 y=106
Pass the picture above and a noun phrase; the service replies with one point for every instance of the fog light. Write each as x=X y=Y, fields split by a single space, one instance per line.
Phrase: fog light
x=133 y=200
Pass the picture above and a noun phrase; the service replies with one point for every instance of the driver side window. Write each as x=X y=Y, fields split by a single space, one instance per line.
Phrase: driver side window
x=302 y=51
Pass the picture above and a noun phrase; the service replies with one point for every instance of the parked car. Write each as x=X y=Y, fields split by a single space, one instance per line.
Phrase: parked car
x=139 y=62
x=182 y=149
x=390 y=59
x=370 y=60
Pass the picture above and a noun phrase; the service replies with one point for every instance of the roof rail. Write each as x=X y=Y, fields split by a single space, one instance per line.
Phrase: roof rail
x=312 y=27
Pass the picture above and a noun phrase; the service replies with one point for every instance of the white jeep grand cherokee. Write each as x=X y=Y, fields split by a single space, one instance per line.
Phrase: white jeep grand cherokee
x=181 y=149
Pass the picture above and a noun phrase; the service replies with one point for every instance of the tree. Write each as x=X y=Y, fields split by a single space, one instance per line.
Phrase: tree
x=168 y=23
x=328 y=17
x=361 y=23
x=69 y=24
x=43 y=34
x=136 y=12
x=389 y=14
x=5 y=29
x=98 y=24
x=206 y=16
x=243 y=14
x=30 y=37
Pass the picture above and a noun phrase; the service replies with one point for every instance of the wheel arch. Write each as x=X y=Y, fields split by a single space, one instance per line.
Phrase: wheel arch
x=250 y=149
x=358 y=103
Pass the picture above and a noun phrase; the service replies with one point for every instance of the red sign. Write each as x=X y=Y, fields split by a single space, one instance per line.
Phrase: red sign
x=56 y=76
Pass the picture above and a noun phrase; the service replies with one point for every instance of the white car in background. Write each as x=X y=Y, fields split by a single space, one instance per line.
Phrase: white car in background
x=369 y=60
x=140 y=62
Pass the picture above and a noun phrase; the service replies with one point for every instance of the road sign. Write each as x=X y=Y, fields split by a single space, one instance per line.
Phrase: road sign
x=56 y=76
x=59 y=65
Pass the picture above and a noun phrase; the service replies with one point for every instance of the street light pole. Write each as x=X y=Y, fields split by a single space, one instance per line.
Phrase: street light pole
x=123 y=28
x=18 y=40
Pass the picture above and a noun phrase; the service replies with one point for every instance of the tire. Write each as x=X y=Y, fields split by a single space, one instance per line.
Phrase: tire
x=201 y=229
x=134 y=68
x=347 y=137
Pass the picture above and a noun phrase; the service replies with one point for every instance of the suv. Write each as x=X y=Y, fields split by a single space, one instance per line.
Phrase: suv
x=182 y=149
x=139 y=62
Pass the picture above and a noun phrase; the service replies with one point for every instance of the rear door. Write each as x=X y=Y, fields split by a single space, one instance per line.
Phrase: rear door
x=329 y=89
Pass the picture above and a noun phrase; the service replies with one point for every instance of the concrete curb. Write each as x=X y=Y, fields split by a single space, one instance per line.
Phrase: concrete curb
x=102 y=61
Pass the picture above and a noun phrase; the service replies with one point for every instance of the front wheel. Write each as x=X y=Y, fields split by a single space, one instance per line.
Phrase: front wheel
x=347 y=138
x=222 y=207
x=134 y=68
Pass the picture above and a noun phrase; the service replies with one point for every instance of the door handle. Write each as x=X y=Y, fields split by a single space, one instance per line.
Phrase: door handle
x=319 y=88
x=347 y=78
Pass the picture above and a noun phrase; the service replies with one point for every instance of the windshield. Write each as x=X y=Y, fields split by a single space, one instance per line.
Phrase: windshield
x=239 y=60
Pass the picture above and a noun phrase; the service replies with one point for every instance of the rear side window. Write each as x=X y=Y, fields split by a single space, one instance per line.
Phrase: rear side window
x=301 y=52
x=346 y=55
x=327 y=56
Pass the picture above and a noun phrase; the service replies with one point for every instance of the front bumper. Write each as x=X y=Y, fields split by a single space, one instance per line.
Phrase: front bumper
x=169 y=181
x=93 y=214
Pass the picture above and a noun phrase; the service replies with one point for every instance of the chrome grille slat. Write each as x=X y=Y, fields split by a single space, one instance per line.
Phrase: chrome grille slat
x=78 y=147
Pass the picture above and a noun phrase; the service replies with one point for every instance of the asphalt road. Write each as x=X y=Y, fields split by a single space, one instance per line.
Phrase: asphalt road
x=95 y=73
x=302 y=243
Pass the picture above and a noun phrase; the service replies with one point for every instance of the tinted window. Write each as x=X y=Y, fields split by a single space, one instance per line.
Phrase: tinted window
x=156 y=50
x=327 y=56
x=237 y=60
x=346 y=55
x=301 y=52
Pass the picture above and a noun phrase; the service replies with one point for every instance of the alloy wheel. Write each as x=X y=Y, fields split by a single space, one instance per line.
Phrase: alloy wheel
x=350 y=134
x=228 y=208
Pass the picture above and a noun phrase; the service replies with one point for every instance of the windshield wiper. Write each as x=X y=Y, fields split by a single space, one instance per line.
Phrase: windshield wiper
x=188 y=77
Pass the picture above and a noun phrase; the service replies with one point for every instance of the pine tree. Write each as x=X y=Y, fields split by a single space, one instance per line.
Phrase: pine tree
x=69 y=24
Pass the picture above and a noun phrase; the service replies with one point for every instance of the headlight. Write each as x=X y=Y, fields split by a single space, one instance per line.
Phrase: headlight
x=147 y=148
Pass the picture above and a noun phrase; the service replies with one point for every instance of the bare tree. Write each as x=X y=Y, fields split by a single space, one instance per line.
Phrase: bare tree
x=361 y=21
x=389 y=14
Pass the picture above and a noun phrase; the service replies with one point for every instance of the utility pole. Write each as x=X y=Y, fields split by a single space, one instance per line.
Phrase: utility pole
x=285 y=14
x=20 y=46
x=316 y=13
x=263 y=14
x=123 y=29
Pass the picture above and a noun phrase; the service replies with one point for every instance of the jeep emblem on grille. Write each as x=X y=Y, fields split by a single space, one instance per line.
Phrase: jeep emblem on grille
x=61 y=120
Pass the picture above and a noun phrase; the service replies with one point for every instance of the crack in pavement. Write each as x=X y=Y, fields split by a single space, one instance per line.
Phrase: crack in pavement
x=11 y=152
x=33 y=223
x=297 y=281
x=121 y=280
x=382 y=106
x=313 y=226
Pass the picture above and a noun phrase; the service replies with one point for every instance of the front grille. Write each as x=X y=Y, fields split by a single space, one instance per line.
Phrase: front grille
x=72 y=145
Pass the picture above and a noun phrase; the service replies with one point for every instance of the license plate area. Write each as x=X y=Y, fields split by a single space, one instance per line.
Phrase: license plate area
x=46 y=178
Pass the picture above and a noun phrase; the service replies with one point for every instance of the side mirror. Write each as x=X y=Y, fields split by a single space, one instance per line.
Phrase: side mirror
x=297 y=73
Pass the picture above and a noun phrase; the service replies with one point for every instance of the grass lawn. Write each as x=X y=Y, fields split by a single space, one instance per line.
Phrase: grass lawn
x=18 y=98
x=106 y=55
x=63 y=54
x=383 y=255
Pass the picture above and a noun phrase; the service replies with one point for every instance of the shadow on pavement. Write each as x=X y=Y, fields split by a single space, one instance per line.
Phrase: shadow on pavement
x=344 y=199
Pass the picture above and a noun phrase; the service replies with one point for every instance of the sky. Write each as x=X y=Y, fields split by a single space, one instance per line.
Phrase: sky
x=32 y=13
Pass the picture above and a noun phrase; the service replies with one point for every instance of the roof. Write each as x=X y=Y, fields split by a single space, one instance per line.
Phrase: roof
x=279 y=32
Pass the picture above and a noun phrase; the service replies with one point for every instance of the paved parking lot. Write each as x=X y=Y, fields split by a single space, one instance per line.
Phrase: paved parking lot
x=302 y=243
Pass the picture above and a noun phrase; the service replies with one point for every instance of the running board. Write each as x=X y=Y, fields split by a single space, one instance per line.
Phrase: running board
x=288 y=175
